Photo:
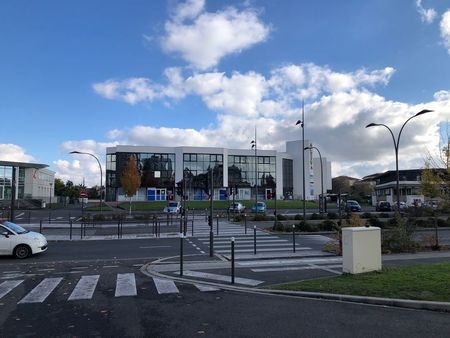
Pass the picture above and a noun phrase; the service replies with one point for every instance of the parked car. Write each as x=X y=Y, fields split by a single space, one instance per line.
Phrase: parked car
x=383 y=206
x=15 y=240
x=173 y=208
x=236 y=207
x=352 y=205
x=259 y=208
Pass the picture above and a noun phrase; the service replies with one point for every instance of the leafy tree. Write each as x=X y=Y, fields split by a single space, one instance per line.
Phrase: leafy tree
x=131 y=180
x=60 y=188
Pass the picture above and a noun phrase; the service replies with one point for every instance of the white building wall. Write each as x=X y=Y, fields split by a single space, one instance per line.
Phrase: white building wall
x=294 y=149
x=39 y=184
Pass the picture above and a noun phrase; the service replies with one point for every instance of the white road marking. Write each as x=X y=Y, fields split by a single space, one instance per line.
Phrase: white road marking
x=289 y=262
x=84 y=288
x=7 y=286
x=109 y=266
x=295 y=268
x=42 y=291
x=327 y=269
x=138 y=265
x=206 y=288
x=164 y=286
x=51 y=269
x=125 y=285
x=154 y=247
x=259 y=250
x=80 y=267
x=16 y=271
x=250 y=245
x=238 y=280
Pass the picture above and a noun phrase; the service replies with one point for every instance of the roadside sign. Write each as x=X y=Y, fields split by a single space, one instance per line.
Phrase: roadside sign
x=83 y=194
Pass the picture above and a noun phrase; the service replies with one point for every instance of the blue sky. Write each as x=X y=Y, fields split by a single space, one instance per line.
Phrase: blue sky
x=89 y=74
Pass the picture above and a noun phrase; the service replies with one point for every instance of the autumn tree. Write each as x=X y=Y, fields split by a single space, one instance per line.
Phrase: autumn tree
x=131 y=180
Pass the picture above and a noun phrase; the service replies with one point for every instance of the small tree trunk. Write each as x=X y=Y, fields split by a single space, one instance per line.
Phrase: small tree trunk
x=130 y=205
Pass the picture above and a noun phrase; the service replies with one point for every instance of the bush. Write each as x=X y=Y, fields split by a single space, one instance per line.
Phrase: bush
x=99 y=217
x=316 y=216
x=332 y=215
x=366 y=215
x=298 y=217
x=238 y=218
x=281 y=217
x=424 y=223
x=442 y=222
x=375 y=222
x=328 y=225
x=384 y=215
x=307 y=227
x=259 y=217
x=278 y=226
x=399 y=239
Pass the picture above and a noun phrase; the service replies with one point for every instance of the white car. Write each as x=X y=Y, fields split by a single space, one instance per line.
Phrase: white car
x=173 y=208
x=15 y=240
x=236 y=207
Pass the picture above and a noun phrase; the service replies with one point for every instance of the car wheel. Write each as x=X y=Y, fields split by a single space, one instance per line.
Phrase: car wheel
x=22 y=251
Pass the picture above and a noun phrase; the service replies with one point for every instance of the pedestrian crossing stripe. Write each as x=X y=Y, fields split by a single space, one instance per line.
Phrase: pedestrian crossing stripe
x=86 y=285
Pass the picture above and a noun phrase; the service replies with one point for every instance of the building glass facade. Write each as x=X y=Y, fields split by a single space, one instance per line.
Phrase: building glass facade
x=197 y=176
x=6 y=173
x=288 y=178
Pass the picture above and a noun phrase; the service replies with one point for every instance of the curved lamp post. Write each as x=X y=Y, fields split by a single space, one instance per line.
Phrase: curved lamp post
x=321 y=173
x=254 y=146
x=302 y=124
x=101 y=175
x=396 y=146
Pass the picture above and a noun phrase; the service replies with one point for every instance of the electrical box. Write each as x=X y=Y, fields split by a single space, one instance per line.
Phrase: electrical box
x=361 y=249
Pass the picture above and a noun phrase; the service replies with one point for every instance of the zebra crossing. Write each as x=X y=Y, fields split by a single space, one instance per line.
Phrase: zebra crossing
x=86 y=286
x=244 y=240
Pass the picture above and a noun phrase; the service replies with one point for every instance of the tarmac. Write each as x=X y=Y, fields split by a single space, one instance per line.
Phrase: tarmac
x=164 y=268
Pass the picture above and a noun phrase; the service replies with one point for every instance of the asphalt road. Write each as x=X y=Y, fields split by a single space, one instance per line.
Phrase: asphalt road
x=190 y=312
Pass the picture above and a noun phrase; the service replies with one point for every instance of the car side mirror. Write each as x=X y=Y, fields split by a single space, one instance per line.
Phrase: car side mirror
x=6 y=234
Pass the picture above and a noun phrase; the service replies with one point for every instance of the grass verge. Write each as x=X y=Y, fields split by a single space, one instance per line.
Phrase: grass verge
x=418 y=282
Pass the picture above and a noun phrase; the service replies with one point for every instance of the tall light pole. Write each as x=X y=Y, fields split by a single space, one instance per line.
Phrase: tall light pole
x=302 y=124
x=396 y=146
x=101 y=175
x=321 y=174
x=255 y=146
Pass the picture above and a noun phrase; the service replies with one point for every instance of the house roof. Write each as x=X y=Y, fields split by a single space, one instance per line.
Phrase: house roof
x=23 y=164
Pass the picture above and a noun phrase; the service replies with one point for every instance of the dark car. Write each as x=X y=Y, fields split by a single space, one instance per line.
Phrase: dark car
x=383 y=206
x=352 y=205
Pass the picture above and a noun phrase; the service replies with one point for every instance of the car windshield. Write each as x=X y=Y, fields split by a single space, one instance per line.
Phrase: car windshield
x=173 y=204
x=14 y=227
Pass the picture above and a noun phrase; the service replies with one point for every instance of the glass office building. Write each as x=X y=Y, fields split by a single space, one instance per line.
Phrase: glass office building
x=170 y=172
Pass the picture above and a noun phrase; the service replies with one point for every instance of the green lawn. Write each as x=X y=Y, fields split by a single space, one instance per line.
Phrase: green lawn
x=418 y=282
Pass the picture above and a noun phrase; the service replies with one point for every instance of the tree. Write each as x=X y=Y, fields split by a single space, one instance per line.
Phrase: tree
x=60 y=188
x=131 y=180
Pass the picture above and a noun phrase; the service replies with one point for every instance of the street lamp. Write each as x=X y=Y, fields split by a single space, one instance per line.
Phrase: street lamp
x=396 y=146
x=321 y=174
x=254 y=146
x=302 y=124
x=101 y=175
x=50 y=195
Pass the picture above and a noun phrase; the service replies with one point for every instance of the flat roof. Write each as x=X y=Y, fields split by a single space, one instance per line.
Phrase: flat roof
x=23 y=164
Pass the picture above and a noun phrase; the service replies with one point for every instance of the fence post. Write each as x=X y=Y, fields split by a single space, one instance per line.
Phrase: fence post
x=254 y=239
x=293 y=237
x=232 y=260
x=245 y=223
x=49 y=217
x=40 y=226
x=217 y=225
x=29 y=217
x=181 y=254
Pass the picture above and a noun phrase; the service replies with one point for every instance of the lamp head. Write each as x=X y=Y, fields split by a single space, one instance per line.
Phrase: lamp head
x=74 y=152
x=299 y=122
x=372 y=125
x=424 y=111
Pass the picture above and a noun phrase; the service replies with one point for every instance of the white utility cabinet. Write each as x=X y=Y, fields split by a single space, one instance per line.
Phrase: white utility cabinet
x=361 y=249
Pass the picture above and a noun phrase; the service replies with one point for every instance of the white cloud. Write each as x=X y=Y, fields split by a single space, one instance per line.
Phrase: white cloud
x=445 y=29
x=426 y=15
x=14 y=153
x=442 y=95
x=203 y=39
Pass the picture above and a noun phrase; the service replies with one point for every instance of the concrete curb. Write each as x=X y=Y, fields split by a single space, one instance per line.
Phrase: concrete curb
x=393 y=302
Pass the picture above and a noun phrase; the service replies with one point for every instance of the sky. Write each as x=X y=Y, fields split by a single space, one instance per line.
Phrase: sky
x=89 y=74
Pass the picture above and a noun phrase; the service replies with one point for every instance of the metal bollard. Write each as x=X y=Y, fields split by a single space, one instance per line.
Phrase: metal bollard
x=192 y=225
x=254 y=239
x=29 y=217
x=118 y=229
x=245 y=223
x=70 y=233
x=232 y=260
x=185 y=227
x=293 y=237
x=217 y=225
x=40 y=226
x=49 y=217
x=181 y=254
x=81 y=230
